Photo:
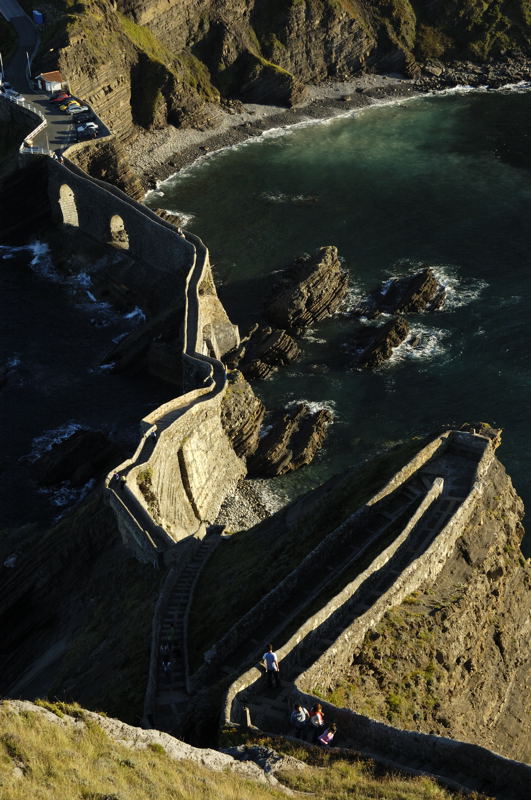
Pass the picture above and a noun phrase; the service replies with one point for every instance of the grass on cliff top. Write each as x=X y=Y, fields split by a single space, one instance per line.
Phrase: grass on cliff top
x=249 y=564
x=342 y=773
x=52 y=760
x=48 y=759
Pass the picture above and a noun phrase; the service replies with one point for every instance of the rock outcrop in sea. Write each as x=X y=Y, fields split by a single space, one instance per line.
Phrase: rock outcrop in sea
x=292 y=440
x=309 y=290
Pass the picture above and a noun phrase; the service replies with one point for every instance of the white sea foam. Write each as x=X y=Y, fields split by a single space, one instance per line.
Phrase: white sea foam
x=459 y=291
x=309 y=336
x=315 y=406
x=136 y=315
x=294 y=199
x=66 y=495
x=104 y=367
x=14 y=361
x=352 y=300
x=45 y=441
x=423 y=344
x=118 y=339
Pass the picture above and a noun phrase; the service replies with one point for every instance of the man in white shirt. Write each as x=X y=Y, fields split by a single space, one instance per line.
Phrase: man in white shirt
x=271 y=664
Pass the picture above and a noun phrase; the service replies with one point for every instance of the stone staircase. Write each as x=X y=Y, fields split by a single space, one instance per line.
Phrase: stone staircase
x=172 y=682
x=456 y=465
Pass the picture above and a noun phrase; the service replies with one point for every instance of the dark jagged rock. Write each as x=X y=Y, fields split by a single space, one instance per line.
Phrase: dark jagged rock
x=262 y=352
x=242 y=414
x=293 y=440
x=82 y=456
x=310 y=290
x=410 y=294
x=376 y=344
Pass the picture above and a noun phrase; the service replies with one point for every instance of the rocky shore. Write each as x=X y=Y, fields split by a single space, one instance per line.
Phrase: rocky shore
x=157 y=154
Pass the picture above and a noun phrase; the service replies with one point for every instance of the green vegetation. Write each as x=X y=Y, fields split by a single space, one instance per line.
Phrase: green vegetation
x=342 y=774
x=40 y=759
x=145 y=477
x=145 y=40
x=43 y=759
x=257 y=559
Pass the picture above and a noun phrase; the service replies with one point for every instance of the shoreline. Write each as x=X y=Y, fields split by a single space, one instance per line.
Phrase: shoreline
x=156 y=155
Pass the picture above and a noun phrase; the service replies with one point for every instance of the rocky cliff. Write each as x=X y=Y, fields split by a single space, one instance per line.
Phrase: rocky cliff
x=454 y=659
x=153 y=62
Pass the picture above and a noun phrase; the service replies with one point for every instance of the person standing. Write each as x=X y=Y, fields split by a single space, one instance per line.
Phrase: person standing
x=271 y=663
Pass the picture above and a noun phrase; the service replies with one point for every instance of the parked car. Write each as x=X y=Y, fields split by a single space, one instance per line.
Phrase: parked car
x=58 y=98
x=85 y=116
x=67 y=106
x=78 y=109
x=87 y=126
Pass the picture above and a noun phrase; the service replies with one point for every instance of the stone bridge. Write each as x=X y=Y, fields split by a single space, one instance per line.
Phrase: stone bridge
x=184 y=464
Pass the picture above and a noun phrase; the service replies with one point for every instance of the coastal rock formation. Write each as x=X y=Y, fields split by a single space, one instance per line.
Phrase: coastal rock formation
x=242 y=414
x=375 y=345
x=81 y=456
x=311 y=289
x=410 y=294
x=453 y=659
x=292 y=441
x=262 y=352
x=106 y=160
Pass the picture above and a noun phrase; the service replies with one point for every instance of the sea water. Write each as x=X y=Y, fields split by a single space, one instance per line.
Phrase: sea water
x=443 y=181
x=54 y=335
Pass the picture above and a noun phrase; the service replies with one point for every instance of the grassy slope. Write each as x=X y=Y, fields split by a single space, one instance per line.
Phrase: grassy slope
x=257 y=559
x=43 y=759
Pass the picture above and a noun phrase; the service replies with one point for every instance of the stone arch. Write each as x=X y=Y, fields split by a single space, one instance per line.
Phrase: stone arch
x=119 y=237
x=67 y=202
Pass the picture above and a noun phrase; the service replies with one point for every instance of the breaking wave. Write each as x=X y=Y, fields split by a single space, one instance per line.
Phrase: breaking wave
x=45 y=441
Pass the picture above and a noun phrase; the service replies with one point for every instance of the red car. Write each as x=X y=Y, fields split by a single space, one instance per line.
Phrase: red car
x=60 y=98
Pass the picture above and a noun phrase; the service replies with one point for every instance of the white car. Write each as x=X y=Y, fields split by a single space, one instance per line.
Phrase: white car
x=78 y=110
x=87 y=126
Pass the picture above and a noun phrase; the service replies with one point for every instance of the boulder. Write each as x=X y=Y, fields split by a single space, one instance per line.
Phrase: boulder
x=376 y=344
x=311 y=288
x=262 y=352
x=242 y=414
x=410 y=294
x=82 y=456
x=293 y=439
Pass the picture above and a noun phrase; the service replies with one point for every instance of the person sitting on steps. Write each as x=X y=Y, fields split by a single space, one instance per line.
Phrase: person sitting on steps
x=317 y=721
x=271 y=663
x=299 y=718
x=325 y=738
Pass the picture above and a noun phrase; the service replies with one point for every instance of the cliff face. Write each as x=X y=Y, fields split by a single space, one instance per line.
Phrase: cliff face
x=152 y=62
x=454 y=659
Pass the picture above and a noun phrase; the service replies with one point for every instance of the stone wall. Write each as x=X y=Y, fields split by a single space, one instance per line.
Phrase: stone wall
x=260 y=613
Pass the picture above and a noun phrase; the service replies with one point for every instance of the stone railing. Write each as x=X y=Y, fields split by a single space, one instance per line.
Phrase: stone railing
x=425 y=566
x=159 y=241
x=460 y=765
x=260 y=612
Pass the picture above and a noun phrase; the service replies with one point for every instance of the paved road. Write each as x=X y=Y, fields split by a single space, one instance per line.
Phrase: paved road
x=60 y=131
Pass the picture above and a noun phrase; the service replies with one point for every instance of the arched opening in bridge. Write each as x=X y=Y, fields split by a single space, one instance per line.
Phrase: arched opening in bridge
x=119 y=237
x=67 y=202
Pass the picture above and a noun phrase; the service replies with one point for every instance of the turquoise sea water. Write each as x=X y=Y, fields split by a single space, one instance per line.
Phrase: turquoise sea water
x=444 y=181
